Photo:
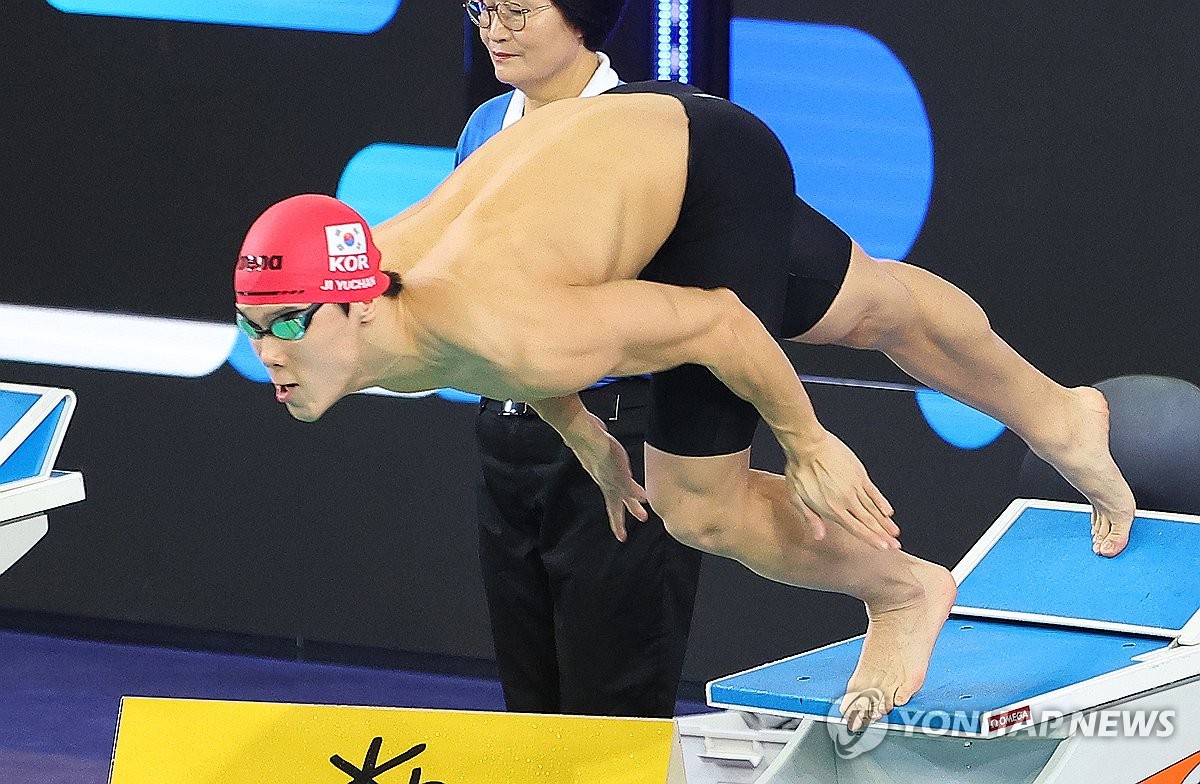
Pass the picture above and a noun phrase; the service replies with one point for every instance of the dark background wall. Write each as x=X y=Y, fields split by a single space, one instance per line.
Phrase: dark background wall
x=136 y=152
x=1064 y=194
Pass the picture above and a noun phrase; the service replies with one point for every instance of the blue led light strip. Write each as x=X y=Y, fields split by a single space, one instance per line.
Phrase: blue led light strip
x=361 y=17
x=673 y=40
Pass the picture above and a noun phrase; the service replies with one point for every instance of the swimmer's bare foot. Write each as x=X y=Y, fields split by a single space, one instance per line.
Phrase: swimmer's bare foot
x=1082 y=456
x=899 y=642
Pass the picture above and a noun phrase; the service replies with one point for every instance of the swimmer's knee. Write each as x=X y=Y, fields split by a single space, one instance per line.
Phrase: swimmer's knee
x=694 y=519
x=870 y=307
x=700 y=499
x=886 y=307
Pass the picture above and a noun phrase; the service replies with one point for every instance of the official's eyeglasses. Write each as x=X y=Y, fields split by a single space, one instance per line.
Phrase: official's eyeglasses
x=510 y=15
x=291 y=327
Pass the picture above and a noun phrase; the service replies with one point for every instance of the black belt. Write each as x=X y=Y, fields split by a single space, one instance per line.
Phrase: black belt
x=506 y=407
x=604 y=402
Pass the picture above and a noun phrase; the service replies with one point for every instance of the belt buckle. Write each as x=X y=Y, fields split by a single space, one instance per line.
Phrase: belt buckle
x=514 y=408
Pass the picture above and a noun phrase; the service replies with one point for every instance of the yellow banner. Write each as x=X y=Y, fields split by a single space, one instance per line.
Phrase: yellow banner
x=163 y=741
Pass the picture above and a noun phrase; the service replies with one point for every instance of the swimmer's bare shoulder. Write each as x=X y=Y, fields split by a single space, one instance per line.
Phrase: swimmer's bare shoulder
x=578 y=195
x=494 y=284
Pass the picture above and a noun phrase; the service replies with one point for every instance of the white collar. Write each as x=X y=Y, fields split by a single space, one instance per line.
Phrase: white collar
x=605 y=78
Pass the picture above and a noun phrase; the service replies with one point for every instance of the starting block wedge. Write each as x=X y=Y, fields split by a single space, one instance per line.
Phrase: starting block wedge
x=1055 y=665
x=33 y=421
x=216 y=742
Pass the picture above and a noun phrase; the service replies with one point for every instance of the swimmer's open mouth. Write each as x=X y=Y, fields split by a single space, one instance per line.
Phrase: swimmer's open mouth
x=283 y=392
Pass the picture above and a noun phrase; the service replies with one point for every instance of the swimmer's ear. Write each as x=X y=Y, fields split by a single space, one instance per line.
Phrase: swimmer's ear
x=366 y=314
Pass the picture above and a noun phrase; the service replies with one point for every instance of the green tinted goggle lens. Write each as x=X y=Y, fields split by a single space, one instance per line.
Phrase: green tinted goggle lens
x=288 y=329
x=285 y=329
x=245 y=326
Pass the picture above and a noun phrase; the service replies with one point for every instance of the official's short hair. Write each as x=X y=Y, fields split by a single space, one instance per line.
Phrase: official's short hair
x=596 y=19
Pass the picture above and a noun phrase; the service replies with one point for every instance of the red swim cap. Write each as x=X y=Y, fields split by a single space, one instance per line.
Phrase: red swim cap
x=308 y=248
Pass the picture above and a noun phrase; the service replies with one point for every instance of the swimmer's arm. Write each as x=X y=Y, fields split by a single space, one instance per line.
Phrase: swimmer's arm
x=601 y=455
x=657 y=326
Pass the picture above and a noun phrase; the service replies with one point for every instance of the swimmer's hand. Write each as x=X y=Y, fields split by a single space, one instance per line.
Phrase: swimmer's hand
x=601 y=455
x=829 y=482
x=607 y=463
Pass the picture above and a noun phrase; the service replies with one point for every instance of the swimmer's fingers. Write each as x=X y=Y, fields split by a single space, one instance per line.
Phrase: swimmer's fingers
x=851 y=515
x=634 y=501
x=608 y=465
x=869 y=511
x=875 y=500
x=816 y=525
x=862 y=512
x=616 y=518
x=831 y=480
x=860 y=522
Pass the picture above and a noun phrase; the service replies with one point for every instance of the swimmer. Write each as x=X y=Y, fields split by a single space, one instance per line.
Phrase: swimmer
x=545 y=262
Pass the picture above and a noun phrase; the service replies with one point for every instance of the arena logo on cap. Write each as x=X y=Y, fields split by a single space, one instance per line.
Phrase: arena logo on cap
x=254 y=263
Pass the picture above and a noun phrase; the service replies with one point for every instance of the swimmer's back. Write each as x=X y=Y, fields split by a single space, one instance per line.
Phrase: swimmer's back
x=581 y=191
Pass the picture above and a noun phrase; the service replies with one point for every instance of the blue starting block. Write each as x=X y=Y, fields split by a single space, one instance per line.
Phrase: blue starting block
x=1055 y=665
x=33 y=421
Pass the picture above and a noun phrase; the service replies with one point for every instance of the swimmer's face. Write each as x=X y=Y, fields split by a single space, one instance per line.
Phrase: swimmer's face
x=313 y=372
x=534 y=56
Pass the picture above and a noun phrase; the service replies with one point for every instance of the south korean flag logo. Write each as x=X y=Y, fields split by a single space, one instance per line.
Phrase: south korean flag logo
x=345 y=239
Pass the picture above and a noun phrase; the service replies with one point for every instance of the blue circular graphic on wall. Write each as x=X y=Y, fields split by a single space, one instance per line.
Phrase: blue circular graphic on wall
x=957 y=424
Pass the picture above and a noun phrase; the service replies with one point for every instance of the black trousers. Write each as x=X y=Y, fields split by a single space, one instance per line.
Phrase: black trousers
x=582 y=623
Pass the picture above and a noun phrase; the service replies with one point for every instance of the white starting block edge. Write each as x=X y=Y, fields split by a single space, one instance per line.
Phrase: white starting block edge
x=1186 y=634
x=23 y=522
x=60 y=489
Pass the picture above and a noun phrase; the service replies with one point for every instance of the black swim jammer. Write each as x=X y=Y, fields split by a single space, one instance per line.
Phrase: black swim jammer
x=740 y=227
